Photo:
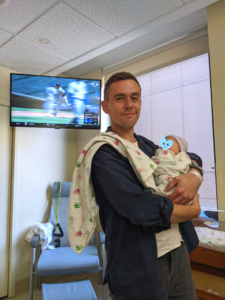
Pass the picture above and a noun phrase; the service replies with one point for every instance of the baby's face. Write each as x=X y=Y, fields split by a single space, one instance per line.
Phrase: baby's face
x=175 y=148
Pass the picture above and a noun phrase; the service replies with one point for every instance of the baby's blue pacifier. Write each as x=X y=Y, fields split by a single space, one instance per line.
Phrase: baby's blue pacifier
x=165 y=144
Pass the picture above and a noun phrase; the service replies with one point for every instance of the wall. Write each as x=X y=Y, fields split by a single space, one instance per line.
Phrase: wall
x=166 y=58
x=42 y=157
x=5 y=179
x=216 y=29
x=5 y=86
x=5 y=162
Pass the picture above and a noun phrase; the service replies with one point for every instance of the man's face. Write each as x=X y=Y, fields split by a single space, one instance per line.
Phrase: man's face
x=124 y=104
x=57 y=86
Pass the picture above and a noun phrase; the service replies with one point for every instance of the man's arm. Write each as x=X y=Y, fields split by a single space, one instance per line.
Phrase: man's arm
x=184 y=213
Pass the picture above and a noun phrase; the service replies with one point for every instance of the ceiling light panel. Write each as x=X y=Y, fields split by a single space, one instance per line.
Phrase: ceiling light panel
x=69 y=33
x=4 y=35
x=18 y=13
x=27 y=58
x=119 y=17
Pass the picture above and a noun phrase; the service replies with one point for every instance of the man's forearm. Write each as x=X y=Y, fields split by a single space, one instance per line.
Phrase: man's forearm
x=182 y=213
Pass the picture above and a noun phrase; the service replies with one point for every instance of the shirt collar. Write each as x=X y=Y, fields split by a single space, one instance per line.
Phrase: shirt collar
x=137 y=137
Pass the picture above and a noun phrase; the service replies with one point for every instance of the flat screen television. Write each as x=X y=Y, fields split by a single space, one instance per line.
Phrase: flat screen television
x=54 y=102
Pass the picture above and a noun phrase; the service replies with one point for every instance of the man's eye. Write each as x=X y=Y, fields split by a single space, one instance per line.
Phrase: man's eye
x=119 y=98
x=135 y=98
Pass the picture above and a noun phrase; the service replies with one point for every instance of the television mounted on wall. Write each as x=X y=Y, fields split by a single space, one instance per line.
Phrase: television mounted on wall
x=54 y=102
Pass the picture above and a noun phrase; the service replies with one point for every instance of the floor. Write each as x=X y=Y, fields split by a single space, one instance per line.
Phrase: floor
x=38 y=292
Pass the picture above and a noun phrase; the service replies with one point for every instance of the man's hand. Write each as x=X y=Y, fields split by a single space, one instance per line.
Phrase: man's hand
x=187 y=186
x=184 y=213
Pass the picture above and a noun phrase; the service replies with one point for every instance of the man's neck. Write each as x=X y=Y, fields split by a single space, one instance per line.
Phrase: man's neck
x=126 y=134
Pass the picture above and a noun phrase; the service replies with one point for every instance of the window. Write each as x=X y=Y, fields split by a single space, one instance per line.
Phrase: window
x=177 y=100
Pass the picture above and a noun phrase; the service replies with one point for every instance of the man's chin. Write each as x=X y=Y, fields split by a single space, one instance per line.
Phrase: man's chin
x=128 y=125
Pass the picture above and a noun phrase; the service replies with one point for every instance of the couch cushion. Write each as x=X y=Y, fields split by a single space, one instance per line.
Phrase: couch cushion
x=65 y=261
x=79 y=290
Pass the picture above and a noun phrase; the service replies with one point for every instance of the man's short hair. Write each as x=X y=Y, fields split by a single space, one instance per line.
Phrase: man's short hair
x=118 y=77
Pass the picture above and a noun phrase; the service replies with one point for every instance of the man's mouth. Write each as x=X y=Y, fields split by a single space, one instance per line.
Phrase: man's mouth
x=128 y=114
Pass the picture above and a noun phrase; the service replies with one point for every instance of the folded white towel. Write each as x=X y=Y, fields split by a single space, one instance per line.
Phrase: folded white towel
x=44 y=230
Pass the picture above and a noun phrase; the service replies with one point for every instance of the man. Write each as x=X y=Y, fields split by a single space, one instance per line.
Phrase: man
x=131 y=216
x=62 y=98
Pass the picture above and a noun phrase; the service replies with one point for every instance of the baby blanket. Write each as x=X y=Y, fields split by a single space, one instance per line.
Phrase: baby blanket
x=168 y=167
x=83 y=209
x=211 y=238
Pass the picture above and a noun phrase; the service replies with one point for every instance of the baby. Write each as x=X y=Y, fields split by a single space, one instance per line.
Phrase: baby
x=170 y=163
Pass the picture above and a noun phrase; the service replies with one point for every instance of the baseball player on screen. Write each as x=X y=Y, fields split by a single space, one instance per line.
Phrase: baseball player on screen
x=77 y=91
x=62 y=98
x=51 y=95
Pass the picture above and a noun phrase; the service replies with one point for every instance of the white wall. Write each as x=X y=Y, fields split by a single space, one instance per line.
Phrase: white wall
x=5 y=86
x=5 y=178
x=43 y=156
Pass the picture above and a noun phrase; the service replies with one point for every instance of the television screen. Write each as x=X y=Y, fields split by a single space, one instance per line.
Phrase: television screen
x=55 y=102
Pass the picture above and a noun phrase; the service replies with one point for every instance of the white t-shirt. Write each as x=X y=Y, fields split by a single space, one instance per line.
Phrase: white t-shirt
x=166 y=240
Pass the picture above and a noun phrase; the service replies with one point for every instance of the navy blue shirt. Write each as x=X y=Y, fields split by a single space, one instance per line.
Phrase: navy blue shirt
x=130 y=216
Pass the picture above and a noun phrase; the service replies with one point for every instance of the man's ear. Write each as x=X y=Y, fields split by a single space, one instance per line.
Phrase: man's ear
x=105 y=107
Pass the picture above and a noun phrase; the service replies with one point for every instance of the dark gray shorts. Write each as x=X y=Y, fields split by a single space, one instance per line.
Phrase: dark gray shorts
x=175 y=272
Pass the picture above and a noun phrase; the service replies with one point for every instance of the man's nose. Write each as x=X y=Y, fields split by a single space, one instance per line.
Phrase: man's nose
x=128 y=102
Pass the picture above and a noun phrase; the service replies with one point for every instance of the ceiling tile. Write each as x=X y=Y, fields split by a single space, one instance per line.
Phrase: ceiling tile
x=69 y=33
x=119 y=17
x=4 y=35
x=27 y=58
x=18 y=13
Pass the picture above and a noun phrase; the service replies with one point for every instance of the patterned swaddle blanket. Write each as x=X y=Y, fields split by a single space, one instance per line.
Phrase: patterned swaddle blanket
x=168 y=167
x=211 y=238
x=83 y=209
